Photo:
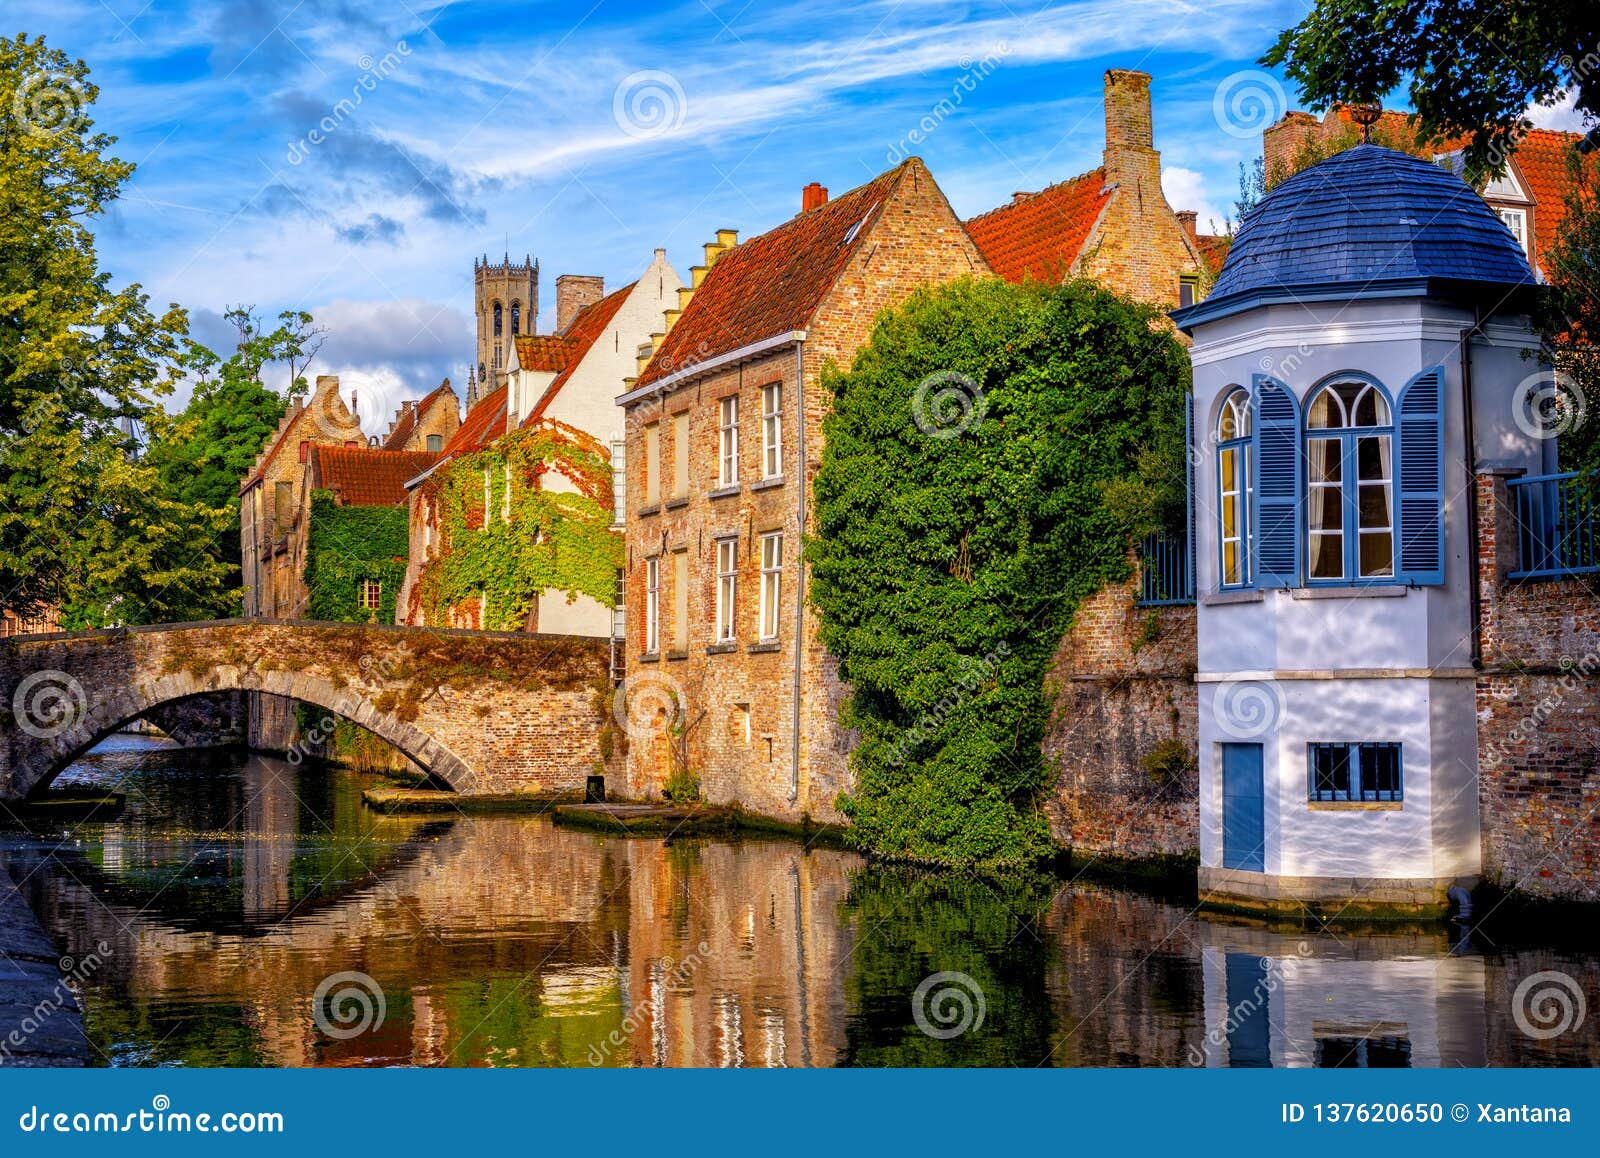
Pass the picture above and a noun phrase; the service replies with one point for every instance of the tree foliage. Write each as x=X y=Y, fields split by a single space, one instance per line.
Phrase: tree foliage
x=950 y=555
x=1471 y=67
x=546 y=535
x=84 y=524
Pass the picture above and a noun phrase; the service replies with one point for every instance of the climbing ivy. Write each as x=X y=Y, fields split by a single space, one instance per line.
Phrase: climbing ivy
x=346 y=546
x=553 y=534
x=990 y=455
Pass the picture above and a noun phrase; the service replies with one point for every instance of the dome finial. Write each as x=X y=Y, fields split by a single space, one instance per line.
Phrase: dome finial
x=1366 y=115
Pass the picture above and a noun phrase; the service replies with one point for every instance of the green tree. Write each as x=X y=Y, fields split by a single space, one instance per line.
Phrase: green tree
x=1471 y=67
x=991 y=453
x=84 y=524
x=203 y=452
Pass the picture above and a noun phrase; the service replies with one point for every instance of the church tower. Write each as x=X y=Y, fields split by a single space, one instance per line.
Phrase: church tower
x=506 y=301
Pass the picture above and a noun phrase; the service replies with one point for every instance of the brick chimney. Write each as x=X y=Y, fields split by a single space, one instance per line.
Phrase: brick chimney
x=573 y=292
x=1282 y=142
x=1130 y=156
x=1188 y=218
x=812 y=196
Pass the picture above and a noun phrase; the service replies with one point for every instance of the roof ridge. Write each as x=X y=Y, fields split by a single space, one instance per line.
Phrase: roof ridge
x=1100 y=169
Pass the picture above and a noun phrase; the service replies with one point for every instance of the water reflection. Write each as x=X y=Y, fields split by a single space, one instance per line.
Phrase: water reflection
x=229 y=890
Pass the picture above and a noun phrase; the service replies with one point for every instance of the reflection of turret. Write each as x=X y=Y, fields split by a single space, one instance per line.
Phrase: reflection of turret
x=1391 y=999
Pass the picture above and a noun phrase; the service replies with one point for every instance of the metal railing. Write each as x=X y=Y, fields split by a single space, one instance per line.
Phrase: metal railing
x=1558 y=528
x=1166 y=577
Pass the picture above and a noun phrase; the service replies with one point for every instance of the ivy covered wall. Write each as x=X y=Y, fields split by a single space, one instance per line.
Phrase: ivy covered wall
x=346 y=546
x=510 y=530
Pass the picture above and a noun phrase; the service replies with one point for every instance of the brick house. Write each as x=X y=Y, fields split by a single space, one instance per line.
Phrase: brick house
x=424 y=424
x=1112 y=223
x=271 y=495
x=723 y=438
x=568 y=379
x=1530 y=197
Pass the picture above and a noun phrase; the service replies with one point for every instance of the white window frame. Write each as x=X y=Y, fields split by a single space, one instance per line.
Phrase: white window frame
x=652 y=605
x=772 y=430
x=1518 y=230
x=728 y=441
x=771 y=584
x=727 y=590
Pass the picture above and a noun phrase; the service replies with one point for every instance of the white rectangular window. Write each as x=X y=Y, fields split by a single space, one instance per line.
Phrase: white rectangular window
x=727 y=588
x=680 y=601
x=652 y=606
x=728 y=446
x=1517 y=221
x=652 y=464
x=771 y=583
x=772 y=430
x=680 y=455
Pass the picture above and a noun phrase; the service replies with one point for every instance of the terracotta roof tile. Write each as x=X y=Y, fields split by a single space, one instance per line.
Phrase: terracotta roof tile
x=772 y=284
x=407 y=422
x=1041 y=234
x=581 y=332
x=368 y=477
x=552 y=353
x=484 y=423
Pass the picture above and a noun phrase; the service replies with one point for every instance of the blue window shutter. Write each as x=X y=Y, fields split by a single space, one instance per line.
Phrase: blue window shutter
x=1421 y=490
x=1190 y=453
x=1276 y=466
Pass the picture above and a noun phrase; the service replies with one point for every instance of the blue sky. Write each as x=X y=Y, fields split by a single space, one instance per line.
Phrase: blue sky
x=590 y=132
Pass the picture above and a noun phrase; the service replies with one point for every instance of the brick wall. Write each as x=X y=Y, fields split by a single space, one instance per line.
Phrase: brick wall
x=916 y=241
x=1538 y=703
x=1123 y=680
x=485 y=712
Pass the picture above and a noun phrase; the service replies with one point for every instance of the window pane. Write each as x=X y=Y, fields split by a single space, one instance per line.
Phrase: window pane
x=1325 y=460
x=1371 y=409
x=1374 y=506
x=1372 y=458
x=1327 y=556
x=1377 y=554
x=1380 y=771
x=1230 y=561
x=1326 y=509
x=1330 y=772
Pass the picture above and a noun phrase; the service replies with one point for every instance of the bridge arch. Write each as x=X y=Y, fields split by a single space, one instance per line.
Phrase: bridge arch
x=105 y=710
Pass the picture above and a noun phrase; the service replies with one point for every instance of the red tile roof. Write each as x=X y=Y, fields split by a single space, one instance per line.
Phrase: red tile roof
x=407 y=422
x=549 y=352
x=1041 y=234
x=1213 y=248
x=581 y=332
x=367 y=477
x=773 y=284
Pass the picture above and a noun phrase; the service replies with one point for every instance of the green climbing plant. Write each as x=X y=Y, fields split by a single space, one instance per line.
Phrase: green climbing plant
x=991 y=454
x=529 y=514
x=347 y=547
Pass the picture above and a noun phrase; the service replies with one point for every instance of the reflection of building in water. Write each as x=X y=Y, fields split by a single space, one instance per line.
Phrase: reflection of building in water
x=272 y=820
x=1292 y=999
x=735 y=955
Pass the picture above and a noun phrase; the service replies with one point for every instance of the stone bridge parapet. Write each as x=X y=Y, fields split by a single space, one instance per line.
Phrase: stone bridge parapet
x=484 y=712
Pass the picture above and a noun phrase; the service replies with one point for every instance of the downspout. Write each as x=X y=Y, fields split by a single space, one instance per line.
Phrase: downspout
x=800 y=570
x=1474 y=579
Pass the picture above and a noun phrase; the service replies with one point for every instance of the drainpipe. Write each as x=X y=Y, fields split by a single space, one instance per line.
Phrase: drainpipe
x=800 y=570
x=1474 y=580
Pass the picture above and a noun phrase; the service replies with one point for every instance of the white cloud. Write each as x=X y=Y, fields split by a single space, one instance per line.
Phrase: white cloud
x=1562 y=116
x=1186 y=189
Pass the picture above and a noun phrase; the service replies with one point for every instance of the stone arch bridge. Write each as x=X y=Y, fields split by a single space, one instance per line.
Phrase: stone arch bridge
x=483 y=712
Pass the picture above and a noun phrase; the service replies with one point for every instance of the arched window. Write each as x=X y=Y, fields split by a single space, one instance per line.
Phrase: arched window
x=516 y=317
x=1349 y=483
x=497 y=319
x=1234 y=488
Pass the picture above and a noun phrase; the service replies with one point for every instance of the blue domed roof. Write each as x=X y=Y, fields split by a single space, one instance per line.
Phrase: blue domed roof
x=1368 y=221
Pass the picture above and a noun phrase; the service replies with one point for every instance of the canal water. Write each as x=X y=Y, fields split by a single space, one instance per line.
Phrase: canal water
x=242 y=911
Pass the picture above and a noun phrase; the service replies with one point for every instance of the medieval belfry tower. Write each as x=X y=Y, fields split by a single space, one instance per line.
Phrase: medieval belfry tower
x=506 y=299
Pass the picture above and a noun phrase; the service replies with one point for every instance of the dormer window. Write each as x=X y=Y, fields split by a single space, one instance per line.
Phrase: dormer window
x=1517 y=221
